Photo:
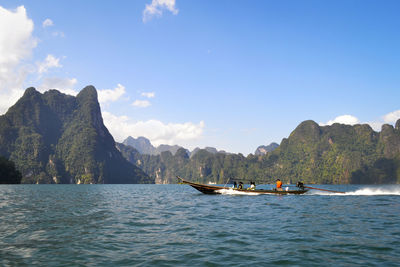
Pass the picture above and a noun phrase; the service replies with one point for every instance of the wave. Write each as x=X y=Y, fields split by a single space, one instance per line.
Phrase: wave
x=363 y=192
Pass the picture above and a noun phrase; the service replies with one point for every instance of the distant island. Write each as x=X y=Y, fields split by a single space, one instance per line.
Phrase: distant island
x=57 y=138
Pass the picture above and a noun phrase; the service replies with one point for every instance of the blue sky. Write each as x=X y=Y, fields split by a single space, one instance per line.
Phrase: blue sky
x=229 y=74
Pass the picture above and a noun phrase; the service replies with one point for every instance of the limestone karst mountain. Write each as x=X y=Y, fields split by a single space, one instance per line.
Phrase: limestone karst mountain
x=58 y=138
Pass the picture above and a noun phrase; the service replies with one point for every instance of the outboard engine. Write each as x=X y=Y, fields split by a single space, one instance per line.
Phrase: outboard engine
x=300 y=185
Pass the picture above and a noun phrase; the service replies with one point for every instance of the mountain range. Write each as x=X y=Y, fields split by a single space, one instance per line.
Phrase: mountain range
x=144 y=146
x=58 y=138
x=336 y=154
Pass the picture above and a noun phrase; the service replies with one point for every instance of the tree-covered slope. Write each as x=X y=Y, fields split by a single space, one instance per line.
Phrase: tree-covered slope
x=328 y=154
x=56 y=138
x=204 y=166
x=8 y=173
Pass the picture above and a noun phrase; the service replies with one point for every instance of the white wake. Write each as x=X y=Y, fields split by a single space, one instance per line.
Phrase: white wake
x=363 y=192
x=235 y=192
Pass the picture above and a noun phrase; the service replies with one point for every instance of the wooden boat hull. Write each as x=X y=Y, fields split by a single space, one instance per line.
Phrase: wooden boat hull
x=213 y=189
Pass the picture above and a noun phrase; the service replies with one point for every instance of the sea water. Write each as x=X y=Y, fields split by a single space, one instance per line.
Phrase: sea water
x=175 y=225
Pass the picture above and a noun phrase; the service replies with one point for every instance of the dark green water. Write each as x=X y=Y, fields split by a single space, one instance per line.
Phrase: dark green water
x=174 y=225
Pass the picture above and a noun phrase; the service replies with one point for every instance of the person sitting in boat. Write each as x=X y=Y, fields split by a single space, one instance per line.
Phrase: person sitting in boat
x=300 y=185
x=240 y=185
x=278 y=185
x=234 y=184
x=252 y=185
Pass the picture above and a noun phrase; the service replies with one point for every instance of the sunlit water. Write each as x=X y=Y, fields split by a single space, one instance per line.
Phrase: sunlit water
x=174 y=225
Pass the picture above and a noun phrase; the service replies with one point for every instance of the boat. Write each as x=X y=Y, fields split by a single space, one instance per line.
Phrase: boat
x=214 y=189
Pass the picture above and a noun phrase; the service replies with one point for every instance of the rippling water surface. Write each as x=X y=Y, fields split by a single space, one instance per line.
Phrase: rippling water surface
x=174 y=225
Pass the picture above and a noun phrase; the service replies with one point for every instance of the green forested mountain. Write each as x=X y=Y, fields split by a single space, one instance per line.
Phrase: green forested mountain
x=204 y=166
x=57 y=138
x=339 y=154
x=312 y=153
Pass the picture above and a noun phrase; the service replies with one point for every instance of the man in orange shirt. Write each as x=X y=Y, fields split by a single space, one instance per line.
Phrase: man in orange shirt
x=278 y=185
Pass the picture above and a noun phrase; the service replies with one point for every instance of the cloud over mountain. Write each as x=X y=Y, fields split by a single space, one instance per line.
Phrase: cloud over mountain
x=17 y=67
x=156 y=131
x=50 y=62
x=344 y=119
x=16 y=45
x=111 y=95
x=389 y=118
x=64 y=85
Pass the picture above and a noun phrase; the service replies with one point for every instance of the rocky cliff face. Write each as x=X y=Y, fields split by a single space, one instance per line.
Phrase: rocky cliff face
x=263 y=150
x=56 y=138
x=141 y=144
x=144 y=146
x=389 y=140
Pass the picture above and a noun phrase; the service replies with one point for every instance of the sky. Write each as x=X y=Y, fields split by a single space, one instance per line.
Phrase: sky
x=227 y=74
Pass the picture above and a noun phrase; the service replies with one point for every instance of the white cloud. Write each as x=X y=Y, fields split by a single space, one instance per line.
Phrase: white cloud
x=344 y=119
x=58 y=34
x=157 y=7
x=392 y=117
x=65 y=85
x=141 y=103
x=8 y=99
x=389 y=118
x=50 y=62
x=47 y=23
x=111 y=95
x=148 y=94
x=16 y=42
x=375 y=125
x=156 y=131
x=16 y=45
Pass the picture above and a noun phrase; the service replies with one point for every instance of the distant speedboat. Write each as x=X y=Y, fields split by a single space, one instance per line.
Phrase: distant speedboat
x=212 y=189
x=212 y=182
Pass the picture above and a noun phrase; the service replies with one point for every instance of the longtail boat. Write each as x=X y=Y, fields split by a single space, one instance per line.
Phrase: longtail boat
x=214 y=189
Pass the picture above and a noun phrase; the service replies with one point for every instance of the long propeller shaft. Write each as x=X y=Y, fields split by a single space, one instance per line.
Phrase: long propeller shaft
x=333 y=191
